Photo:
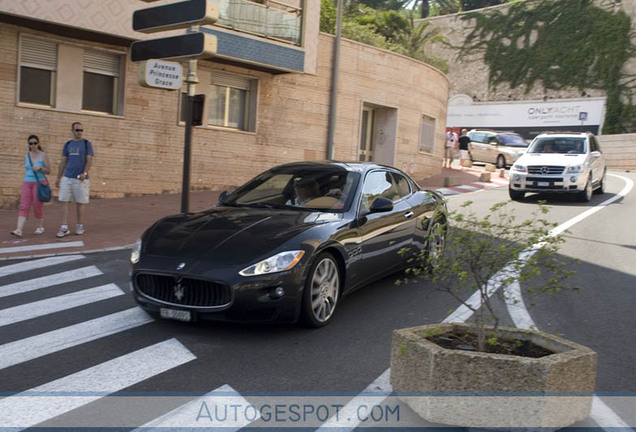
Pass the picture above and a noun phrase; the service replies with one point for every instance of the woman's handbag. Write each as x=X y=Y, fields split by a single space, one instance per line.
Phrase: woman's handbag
x=44 y=190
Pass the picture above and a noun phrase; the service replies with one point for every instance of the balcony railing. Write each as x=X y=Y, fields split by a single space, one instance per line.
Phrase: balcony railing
x=267 y=18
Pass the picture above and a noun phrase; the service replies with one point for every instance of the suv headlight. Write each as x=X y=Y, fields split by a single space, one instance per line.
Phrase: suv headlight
x=519 y=168
x=277 y=263
x=574 y=169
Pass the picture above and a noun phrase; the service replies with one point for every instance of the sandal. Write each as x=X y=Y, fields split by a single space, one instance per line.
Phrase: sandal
x=39 y=230
x=17 y=232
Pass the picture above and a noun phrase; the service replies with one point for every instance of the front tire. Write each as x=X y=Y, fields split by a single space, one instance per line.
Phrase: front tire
x=601 y=187
x=516 y=195
x=586 y=194
x=322 y=291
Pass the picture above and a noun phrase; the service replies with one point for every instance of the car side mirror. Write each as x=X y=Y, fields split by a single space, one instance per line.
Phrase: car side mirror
x=222 y=197
x=381 y=205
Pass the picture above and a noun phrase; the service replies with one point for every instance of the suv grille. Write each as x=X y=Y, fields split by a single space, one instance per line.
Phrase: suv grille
x=182 y=291
x=545 y=169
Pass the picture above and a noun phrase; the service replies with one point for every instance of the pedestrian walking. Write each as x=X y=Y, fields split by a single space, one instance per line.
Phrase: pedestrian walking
x=73 y=178
x=36 y=162
x=464 y=149
x=450 y=146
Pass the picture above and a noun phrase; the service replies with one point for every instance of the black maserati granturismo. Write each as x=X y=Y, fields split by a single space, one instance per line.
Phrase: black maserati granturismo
x=287 y=245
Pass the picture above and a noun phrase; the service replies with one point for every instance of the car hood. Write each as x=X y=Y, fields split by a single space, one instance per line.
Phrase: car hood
x=559 y=159
x=229 y=235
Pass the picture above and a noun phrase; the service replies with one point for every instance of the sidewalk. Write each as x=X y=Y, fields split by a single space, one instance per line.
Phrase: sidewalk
x=118 y=222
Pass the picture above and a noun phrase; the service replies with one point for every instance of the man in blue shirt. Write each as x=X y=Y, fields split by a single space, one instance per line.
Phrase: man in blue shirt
x=72 y=178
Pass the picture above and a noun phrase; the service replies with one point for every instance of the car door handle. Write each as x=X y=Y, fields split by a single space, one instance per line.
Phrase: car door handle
x=408 y=214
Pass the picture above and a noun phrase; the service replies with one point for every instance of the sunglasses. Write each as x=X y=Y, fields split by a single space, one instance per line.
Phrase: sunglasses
x=79 y=130
x=33 y=143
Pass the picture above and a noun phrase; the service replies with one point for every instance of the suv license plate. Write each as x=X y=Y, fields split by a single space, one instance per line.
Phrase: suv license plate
x=179 y=315
x=543 y=183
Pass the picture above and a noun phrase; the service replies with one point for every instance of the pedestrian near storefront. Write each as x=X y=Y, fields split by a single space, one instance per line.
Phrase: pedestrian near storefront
x=464 y=149
x=36 y=163
x=73 y=178
x=450 y=147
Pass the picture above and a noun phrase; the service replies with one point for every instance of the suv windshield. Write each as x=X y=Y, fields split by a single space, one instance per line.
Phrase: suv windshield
x=512 y=140
x=569 y=145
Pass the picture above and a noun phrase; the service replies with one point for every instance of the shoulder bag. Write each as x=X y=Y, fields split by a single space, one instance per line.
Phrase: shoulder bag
x=44 y=190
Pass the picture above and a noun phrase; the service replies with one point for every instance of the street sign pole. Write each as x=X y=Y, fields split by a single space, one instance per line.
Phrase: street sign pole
x=192 y=80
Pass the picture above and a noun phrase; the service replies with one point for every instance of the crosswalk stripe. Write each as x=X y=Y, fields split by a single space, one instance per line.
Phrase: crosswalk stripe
x=57 y=304
x=47 y=281
x=41 y=247
x=46 y=343
x=37 y=264
x=42 y=403
x=186 y=415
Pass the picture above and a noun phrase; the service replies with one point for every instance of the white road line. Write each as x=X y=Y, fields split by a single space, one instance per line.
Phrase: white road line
x=42 y=247
x=348 y=417
x=186 y=415
x=48 y=281
x=57 y=304
x=17 y=352
x=37 y=264
x=43 y=403
x=467 y=187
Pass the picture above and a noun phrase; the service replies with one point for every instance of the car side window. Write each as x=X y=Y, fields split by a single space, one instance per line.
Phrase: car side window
x=594 y=144
x=378 y=184
x=404 y=189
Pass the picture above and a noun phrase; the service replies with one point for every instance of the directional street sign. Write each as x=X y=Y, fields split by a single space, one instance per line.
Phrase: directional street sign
x=191 y=45
x=175 y=15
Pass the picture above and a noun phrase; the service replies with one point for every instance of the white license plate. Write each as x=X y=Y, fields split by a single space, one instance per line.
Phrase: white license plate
x=543 y=183
x=174 y=314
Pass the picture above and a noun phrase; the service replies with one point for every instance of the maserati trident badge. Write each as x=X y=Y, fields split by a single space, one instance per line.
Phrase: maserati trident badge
x=178 y=290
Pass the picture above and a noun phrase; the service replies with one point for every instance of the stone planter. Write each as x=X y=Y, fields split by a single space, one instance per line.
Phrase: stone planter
x=476 y=389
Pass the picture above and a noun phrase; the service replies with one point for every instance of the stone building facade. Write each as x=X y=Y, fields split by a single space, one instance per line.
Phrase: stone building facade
x=139 y=144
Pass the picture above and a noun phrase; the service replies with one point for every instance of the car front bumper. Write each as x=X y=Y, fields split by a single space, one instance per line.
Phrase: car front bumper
x=561 y=183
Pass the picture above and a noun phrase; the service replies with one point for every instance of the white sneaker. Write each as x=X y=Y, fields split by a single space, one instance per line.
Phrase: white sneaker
x=63 y=231
x=17 y=232
x=39 y=230
x=79 y=229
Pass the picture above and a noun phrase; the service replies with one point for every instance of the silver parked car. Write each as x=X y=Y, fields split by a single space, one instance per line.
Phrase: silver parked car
x=499 y=148
x=560 y=163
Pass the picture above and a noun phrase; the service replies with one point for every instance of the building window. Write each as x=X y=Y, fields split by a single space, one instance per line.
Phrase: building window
x=101 y=86
x=231 y=102
x=427 y=134
x=38 y=66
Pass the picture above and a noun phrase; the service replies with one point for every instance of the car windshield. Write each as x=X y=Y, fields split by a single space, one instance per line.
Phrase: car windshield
x=512 y=140
x=569 y=145
x=320 y=188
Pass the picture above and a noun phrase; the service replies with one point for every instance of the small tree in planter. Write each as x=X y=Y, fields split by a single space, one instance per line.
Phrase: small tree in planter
x=488 y=254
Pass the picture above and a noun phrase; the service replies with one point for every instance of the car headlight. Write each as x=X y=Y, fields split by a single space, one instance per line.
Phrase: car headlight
x=519 y=168
x=277 y=263
x=574 y=169
x=136 y=252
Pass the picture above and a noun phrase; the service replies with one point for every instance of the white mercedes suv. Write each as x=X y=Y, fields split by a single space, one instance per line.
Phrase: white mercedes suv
x=559 y=163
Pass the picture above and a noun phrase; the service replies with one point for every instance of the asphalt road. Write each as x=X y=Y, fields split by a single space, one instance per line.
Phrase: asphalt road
x=344 y=358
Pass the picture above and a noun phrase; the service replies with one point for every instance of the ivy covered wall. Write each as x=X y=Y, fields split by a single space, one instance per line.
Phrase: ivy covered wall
x=546 y=49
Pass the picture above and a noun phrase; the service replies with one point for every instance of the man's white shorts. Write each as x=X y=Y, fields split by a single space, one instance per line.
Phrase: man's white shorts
x=74 y=190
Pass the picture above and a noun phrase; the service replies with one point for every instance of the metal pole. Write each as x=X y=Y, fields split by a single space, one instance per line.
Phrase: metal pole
x=331 y=129
x=192 y=79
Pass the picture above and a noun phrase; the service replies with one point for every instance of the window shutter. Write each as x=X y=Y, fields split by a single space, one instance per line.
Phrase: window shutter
x=101 y=62
x=38 y=53
x=227 y=80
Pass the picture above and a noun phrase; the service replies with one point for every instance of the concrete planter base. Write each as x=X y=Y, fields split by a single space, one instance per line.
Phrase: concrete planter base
x=476 y=389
